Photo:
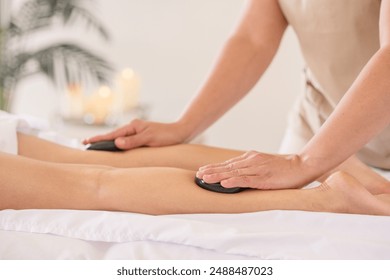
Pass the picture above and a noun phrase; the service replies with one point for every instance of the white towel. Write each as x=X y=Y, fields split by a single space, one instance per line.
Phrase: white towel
x=10 y=124
x=8 y=138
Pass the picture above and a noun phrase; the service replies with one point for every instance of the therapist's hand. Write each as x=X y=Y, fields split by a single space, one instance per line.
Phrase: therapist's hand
x=140 y=133
x=259 y=171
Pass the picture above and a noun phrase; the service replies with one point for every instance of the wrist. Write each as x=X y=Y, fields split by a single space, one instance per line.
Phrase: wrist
x=301 y=171
x=314 y=166
x=186 y=130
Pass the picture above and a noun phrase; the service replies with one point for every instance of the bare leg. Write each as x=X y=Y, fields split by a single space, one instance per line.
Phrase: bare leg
x=161 y=191
x=173 y=191
x=373 y=181
x=184 y=156
x=354 y=196
x=189 y=157
x=27 y=183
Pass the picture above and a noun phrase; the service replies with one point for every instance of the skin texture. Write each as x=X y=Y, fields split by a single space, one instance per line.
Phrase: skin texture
x=51 y=181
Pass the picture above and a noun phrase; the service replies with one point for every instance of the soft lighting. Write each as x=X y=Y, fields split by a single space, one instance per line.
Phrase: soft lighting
x=73 y=102
x=127 y=73
x=104 y=92
x=105 y=103
x=127 y=89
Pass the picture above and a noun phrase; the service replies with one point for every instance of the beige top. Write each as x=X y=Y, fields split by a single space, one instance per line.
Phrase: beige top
x=337 y=38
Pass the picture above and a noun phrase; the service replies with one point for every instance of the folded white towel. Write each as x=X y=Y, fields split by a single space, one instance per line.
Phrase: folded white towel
x=10 y=124
x=8 y=138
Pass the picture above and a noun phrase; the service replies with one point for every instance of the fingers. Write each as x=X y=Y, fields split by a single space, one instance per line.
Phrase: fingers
x=246 y=177
x=120 y=132
x=243 y=171
x=140 y=133
x=236 y=163
x=235 y=177
x=251 y=181
x=126 y=130
x=230 y=162
x=130 y=142
x=258 y=170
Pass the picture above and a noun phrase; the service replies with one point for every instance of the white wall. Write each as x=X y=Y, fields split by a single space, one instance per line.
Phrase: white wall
x=172 y=45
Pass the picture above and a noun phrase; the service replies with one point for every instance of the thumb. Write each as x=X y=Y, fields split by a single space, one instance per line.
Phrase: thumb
x=127 y=143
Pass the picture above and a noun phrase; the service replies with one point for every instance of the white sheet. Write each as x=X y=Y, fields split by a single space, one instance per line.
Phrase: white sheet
x=69 y=234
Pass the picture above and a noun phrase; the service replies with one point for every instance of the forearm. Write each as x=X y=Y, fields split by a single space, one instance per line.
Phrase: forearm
x=243 y=60
x=236 y=71
x=361 y=114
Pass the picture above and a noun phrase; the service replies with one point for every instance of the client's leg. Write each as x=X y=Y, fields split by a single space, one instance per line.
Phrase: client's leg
x=373 y=181
x=182 y=156
x=173 y=191
x=355 y=197
x=189 y=157
x=27 y=183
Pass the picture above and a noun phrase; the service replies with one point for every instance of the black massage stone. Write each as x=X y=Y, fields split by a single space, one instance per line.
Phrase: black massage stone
x=108 y=146
x=216 y=187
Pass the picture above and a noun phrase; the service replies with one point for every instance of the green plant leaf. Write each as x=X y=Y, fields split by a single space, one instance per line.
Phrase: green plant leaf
x=35 y=15
x=62 y=63
x=76 y=63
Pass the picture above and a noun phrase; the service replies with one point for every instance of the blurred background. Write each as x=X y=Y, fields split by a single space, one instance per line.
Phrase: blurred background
x=97 y=64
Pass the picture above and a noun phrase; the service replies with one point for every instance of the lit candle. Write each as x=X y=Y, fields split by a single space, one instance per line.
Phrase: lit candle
x=73 y=103
x=128 y=89
x=98 y=106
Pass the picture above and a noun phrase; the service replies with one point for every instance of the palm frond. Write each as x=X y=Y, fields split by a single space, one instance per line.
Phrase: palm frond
x=73 y=13
x=62 y=63
x=69 y=63
x=35 y=15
